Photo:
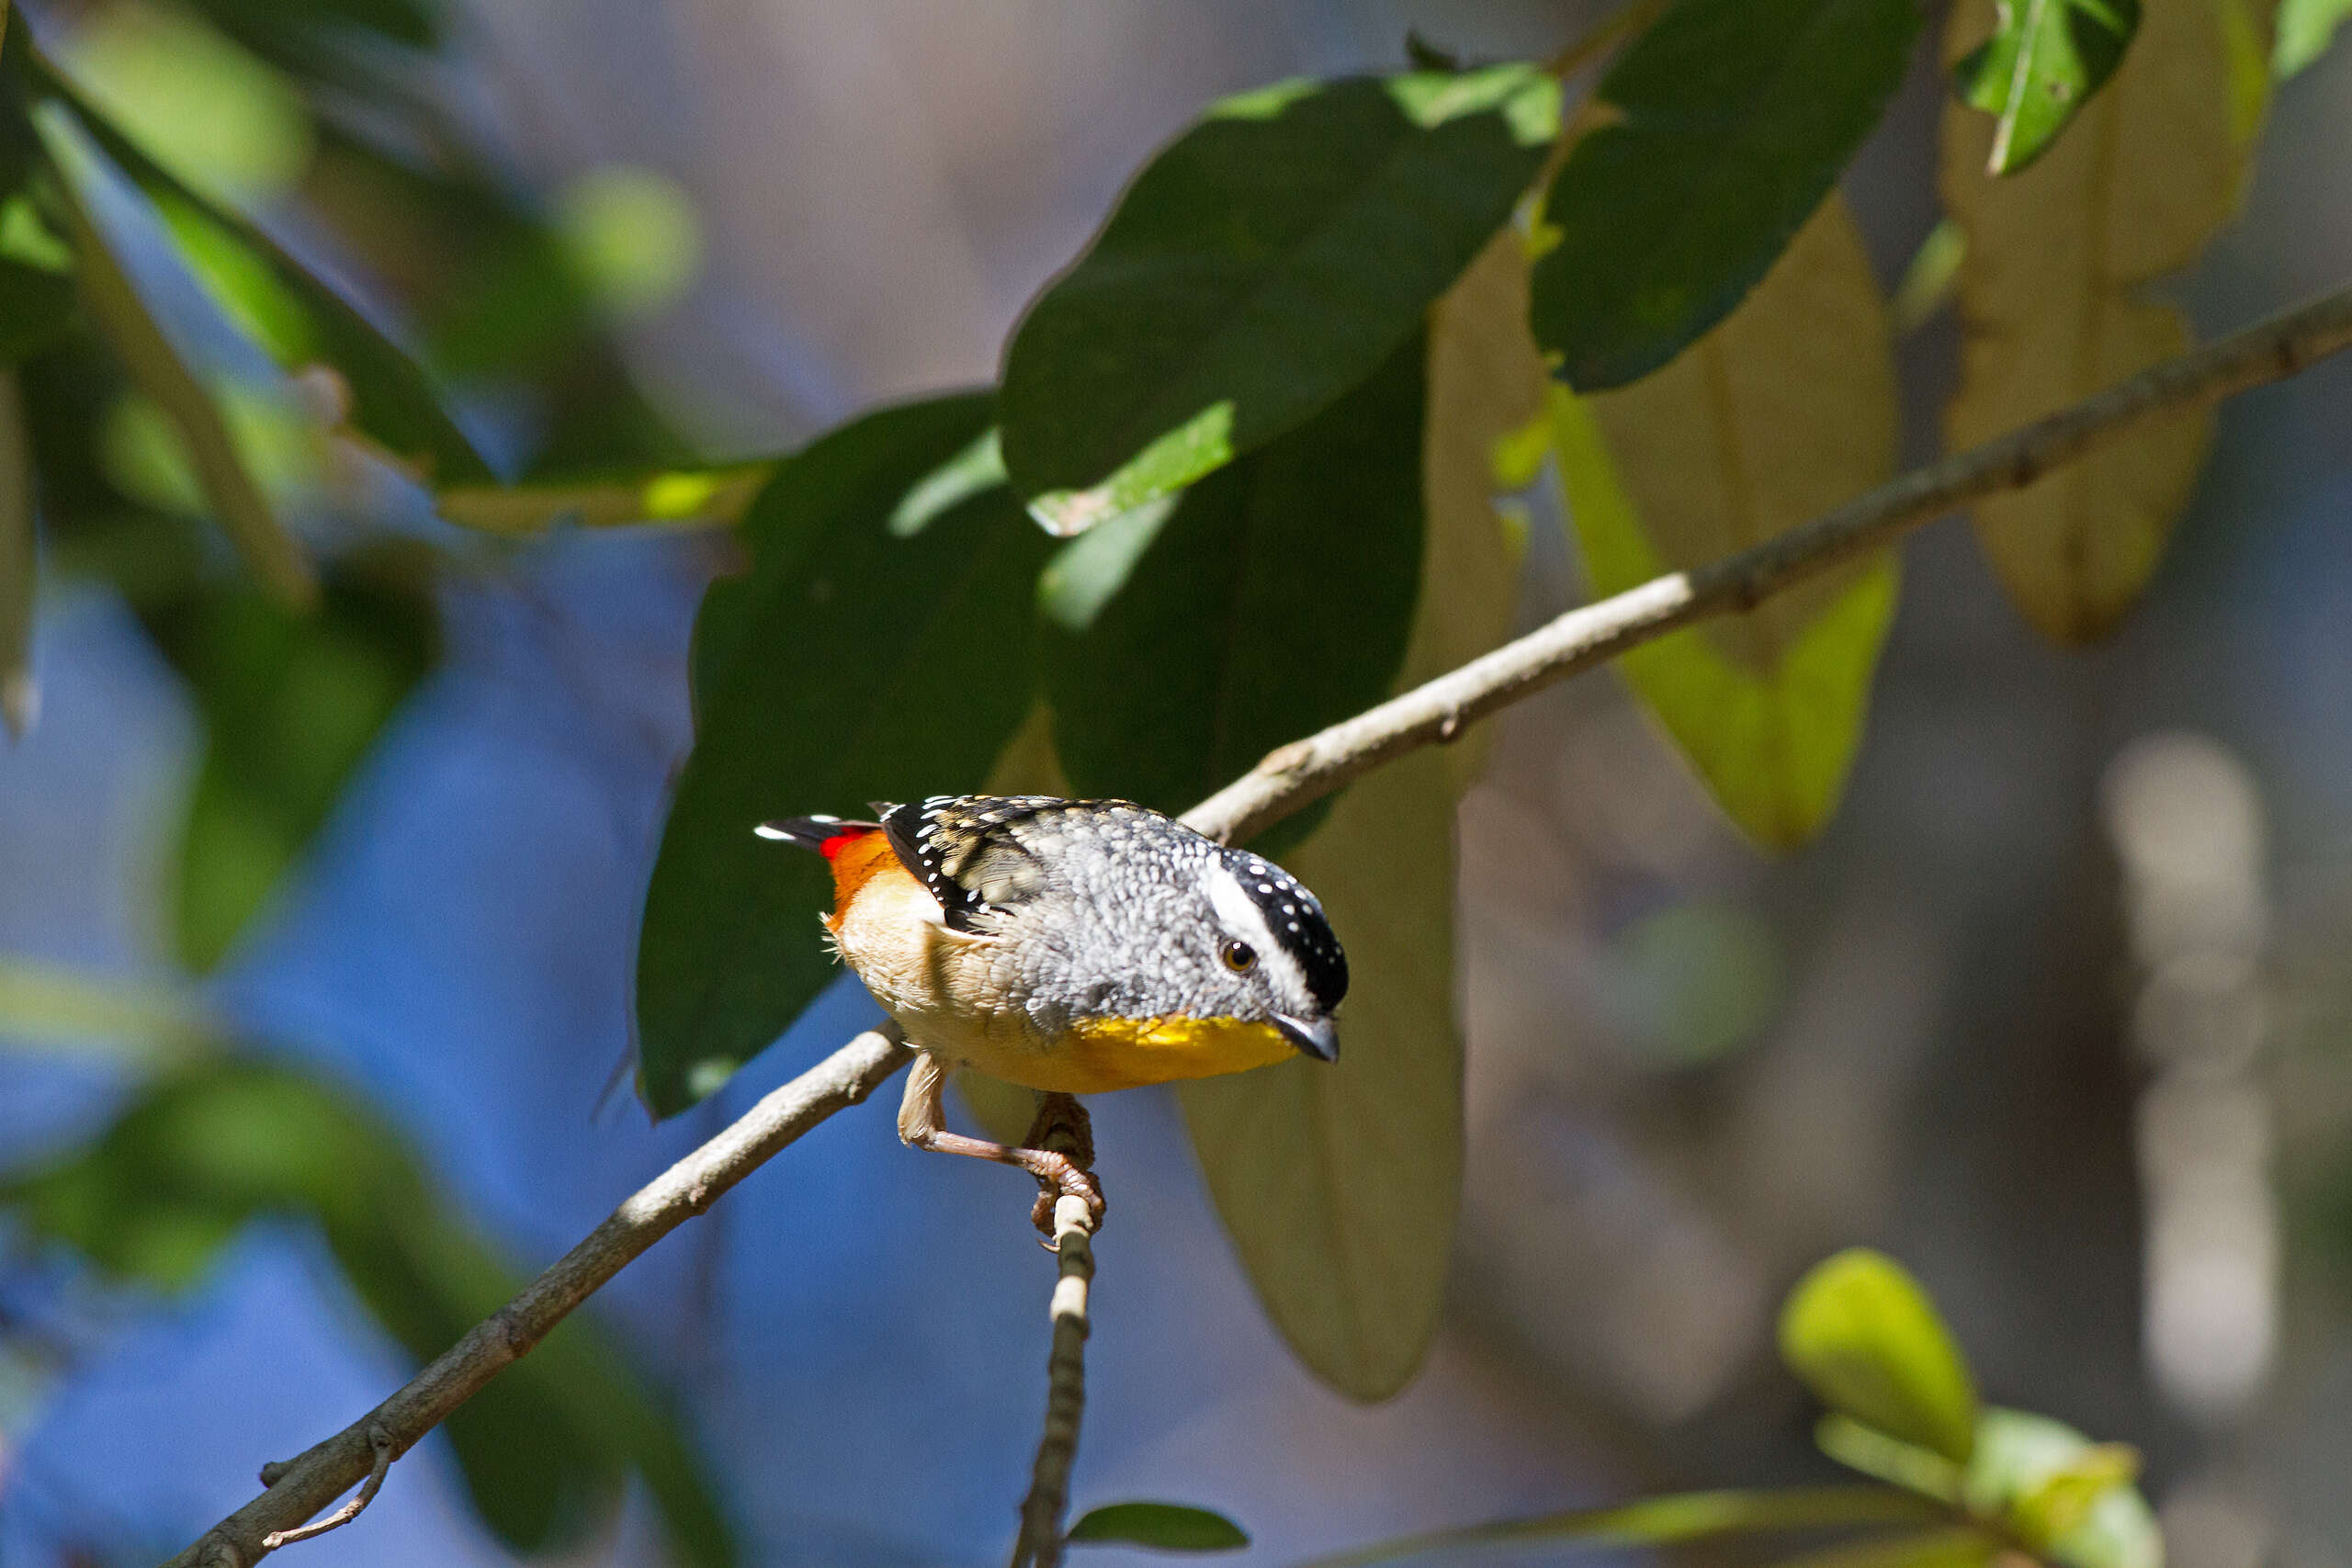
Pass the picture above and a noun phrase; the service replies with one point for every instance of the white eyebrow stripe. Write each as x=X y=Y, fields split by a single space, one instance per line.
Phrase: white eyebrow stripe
x=1244 y=919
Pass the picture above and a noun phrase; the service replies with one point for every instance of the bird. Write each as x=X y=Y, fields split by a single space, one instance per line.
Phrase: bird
x=1073 y=947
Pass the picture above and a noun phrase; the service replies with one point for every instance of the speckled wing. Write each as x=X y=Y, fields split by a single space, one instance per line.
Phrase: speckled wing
x=965 y=849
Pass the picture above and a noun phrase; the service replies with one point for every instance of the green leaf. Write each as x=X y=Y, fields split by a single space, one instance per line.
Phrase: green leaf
x=1722 y=129
x=1783 y=411
x=2067 y=1497
x=1957 y=1546
x=1271 y=258
x=1891 y=1460
x=177 y=346
x=19 y=565
x=290 y=705
x=2061 y=296
x=2305 y=27
x=1274 y=598
x=48 y=1007
x=850 y=664
x=2043 y=61
x=1866 y=1340
x=1339 y=1184
x=542 y=1446
x=394 y=400
x=37 y=304
x=1164 y=1527
x=1666 y=1521
x=687 y=497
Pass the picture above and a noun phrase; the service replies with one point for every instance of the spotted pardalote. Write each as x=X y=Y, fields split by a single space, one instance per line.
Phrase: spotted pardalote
x=1073 y=946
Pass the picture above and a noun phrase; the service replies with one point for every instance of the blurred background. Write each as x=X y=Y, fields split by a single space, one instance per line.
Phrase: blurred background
x=2059 y=1011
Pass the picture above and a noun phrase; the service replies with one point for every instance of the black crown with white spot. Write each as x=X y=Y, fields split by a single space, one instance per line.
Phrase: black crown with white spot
x=1297 y=922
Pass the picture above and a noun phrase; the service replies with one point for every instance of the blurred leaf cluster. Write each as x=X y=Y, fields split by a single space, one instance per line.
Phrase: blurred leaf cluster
x=281 y=348
x=1961 y=1482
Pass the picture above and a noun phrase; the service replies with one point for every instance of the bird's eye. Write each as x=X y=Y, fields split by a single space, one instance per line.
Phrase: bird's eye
x=1239 y=957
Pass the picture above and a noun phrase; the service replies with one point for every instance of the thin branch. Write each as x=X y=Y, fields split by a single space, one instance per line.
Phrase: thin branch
x=1288 y=779
x=1040 y=1543
x=381 y=1442
x=1308 y=770
x=308 y=1482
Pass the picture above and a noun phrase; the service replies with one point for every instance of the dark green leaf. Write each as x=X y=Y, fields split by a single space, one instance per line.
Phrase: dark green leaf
x=1668 y=1521
x=544 y=1446
x=2064 y=1495
x=1725 y=124
x=394 y=399
x=2043 y=61
x=184 y=353
x=851 y=663
x=1271 y=258
x=1165 y=1527
x=290 y=705
x=1865 y=1338
x=1273 y=600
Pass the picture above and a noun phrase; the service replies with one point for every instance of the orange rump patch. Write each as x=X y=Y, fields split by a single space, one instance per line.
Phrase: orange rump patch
x=857 y=859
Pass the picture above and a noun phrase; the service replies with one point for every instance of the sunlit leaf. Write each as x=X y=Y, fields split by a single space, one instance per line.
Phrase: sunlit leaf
x=1339 y=1184
x=290 y=705
x=178 y=348
x=1782 y=411
x=1485 y=434
x=846 y=666
x=1664 y=1521
x=194 y=100
x=2305 y=29
x=1163 y=1526
x=1891 y=1460
x=2054 y=307
x=1272 y=257
x=19 y=565
x=543 y=1448
x=2067 y=1496
x=1721 y=130
x=1867 y=1341
x=2042 y=63
x=1274 y=598
x=693 y=497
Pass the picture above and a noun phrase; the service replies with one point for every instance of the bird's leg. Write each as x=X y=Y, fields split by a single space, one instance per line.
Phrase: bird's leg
x=1060 y=1170
x=1063 y=1131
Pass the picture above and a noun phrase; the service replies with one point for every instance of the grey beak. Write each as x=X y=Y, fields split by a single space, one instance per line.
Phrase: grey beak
x=1318 y=1038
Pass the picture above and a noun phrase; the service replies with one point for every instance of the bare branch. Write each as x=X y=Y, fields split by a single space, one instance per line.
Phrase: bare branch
x=1289 y=778
x=1308 y=770
x=1040 y=1543
x=311 y=1480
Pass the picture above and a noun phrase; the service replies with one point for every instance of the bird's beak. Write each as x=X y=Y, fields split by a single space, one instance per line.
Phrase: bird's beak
x=1319 y=1038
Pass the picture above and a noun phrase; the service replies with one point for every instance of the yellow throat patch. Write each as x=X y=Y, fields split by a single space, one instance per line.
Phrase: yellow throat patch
x=1105 y=1054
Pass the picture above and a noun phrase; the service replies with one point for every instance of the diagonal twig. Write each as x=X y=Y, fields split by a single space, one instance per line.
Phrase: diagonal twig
x=1288 y=779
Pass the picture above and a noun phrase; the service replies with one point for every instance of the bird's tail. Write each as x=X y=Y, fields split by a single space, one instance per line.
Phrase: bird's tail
x=827 y=835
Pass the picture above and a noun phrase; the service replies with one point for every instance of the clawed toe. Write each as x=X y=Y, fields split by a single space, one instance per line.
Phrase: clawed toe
x=1058 y=1177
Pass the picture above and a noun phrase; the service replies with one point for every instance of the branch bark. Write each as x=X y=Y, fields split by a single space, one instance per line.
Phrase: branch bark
x=1289 y=778
x=299 y=1487
x=1039 y=1545
x=1305 y=771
